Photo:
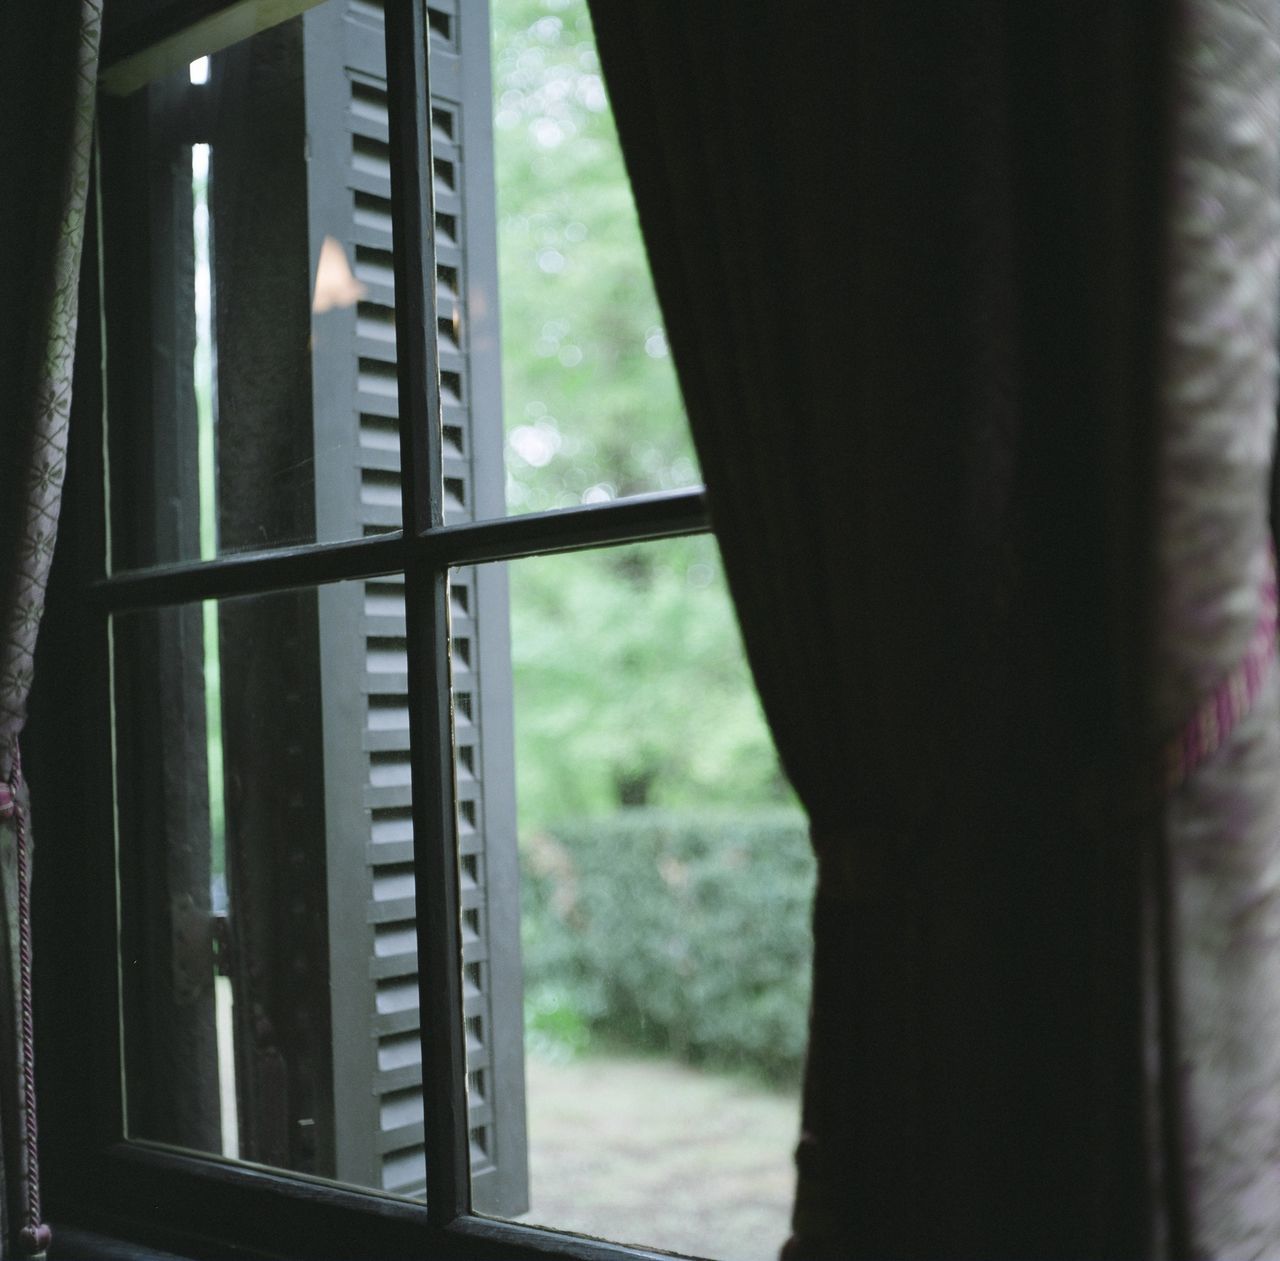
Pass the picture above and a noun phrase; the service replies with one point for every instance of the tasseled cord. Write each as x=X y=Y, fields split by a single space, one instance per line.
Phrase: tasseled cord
x=35 y=1236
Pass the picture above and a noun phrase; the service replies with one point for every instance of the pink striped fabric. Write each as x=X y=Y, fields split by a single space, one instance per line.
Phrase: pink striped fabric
x=1208 y=729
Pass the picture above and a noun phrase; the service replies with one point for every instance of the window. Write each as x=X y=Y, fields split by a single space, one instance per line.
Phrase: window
x=298 y=657
x=253 y=192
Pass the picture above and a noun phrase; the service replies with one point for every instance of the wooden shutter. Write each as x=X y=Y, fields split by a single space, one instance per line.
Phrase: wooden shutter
x=378 y=1103
x=323 y=949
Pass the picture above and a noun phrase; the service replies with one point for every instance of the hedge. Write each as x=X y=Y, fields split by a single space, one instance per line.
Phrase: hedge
x=680 y=932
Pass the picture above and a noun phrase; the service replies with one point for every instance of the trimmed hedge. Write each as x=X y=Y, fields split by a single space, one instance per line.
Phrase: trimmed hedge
x=674 y=931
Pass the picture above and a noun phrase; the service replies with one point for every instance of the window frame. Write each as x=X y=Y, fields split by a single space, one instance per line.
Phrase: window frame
x=202 y=1205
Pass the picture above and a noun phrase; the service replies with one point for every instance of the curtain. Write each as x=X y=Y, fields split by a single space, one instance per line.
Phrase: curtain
x=48 y=65
x=972 y=307
x=1219 y=934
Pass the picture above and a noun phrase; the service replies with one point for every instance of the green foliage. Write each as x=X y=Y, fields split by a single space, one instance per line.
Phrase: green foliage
x=554 y=1026
x=593 y=409
x=630 y=683
x=673 y=913
x=631 y=686
x=676 y=931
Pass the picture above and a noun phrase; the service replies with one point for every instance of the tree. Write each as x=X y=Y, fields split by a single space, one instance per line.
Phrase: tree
x=631 y=688
x=593 y=408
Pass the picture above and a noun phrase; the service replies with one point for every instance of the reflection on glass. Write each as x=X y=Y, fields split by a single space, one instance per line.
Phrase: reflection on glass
x=665 y=887
x=248 y=236
x=269 y=956
x=592 y=407
x=335 y=286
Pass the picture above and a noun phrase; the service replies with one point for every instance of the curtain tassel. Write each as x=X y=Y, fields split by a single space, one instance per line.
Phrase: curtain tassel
x=35 y=1236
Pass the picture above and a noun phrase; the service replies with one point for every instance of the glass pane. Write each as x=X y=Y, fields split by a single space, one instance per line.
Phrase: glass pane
x=592 y=409
x=269 y=956
x=251 y=356
x=665 y=887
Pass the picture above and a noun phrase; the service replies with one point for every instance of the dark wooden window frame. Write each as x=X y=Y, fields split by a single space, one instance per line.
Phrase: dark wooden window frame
x=204 y=1206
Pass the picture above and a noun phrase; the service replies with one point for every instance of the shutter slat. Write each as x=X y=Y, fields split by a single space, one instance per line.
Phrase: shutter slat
x=379 y=1120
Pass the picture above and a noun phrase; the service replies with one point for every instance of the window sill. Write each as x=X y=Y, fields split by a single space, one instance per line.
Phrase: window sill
x=70 y=1244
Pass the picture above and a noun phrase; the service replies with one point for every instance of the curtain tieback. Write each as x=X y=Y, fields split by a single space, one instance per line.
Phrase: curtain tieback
x=855 y=875
x=868 y=864
x=35 y=1236
x=1217 y=716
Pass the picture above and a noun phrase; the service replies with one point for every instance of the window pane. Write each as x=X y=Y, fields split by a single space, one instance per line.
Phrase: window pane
x=248 y=281
x=665 y=895
x=592 y=409
x=269 y=957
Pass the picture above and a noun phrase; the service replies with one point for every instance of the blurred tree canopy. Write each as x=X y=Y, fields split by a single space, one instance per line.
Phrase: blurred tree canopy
x=593 y=409
x=631 y=688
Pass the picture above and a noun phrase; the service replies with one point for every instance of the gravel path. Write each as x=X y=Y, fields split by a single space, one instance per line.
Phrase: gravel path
x=654 y=1153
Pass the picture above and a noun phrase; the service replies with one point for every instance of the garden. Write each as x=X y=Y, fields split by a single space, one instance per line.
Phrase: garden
x=666 y=872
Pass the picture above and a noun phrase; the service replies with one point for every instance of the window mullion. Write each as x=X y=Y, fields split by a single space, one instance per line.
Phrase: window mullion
x=436 y=880
x=252 y=573
x=426 y=618
x=636 y=519
x=417 y=361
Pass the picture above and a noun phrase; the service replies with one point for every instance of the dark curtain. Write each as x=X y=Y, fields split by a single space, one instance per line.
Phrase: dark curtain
x=929 y=274
x=48 y=71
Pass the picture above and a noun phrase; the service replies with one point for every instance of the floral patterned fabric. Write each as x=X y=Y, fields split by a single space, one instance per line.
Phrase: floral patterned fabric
x=37 y=436
x=1219 y=1053
x=48 y=70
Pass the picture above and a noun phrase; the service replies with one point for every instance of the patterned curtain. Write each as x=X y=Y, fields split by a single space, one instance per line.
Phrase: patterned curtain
x=47 y=83
x=1214 y=949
